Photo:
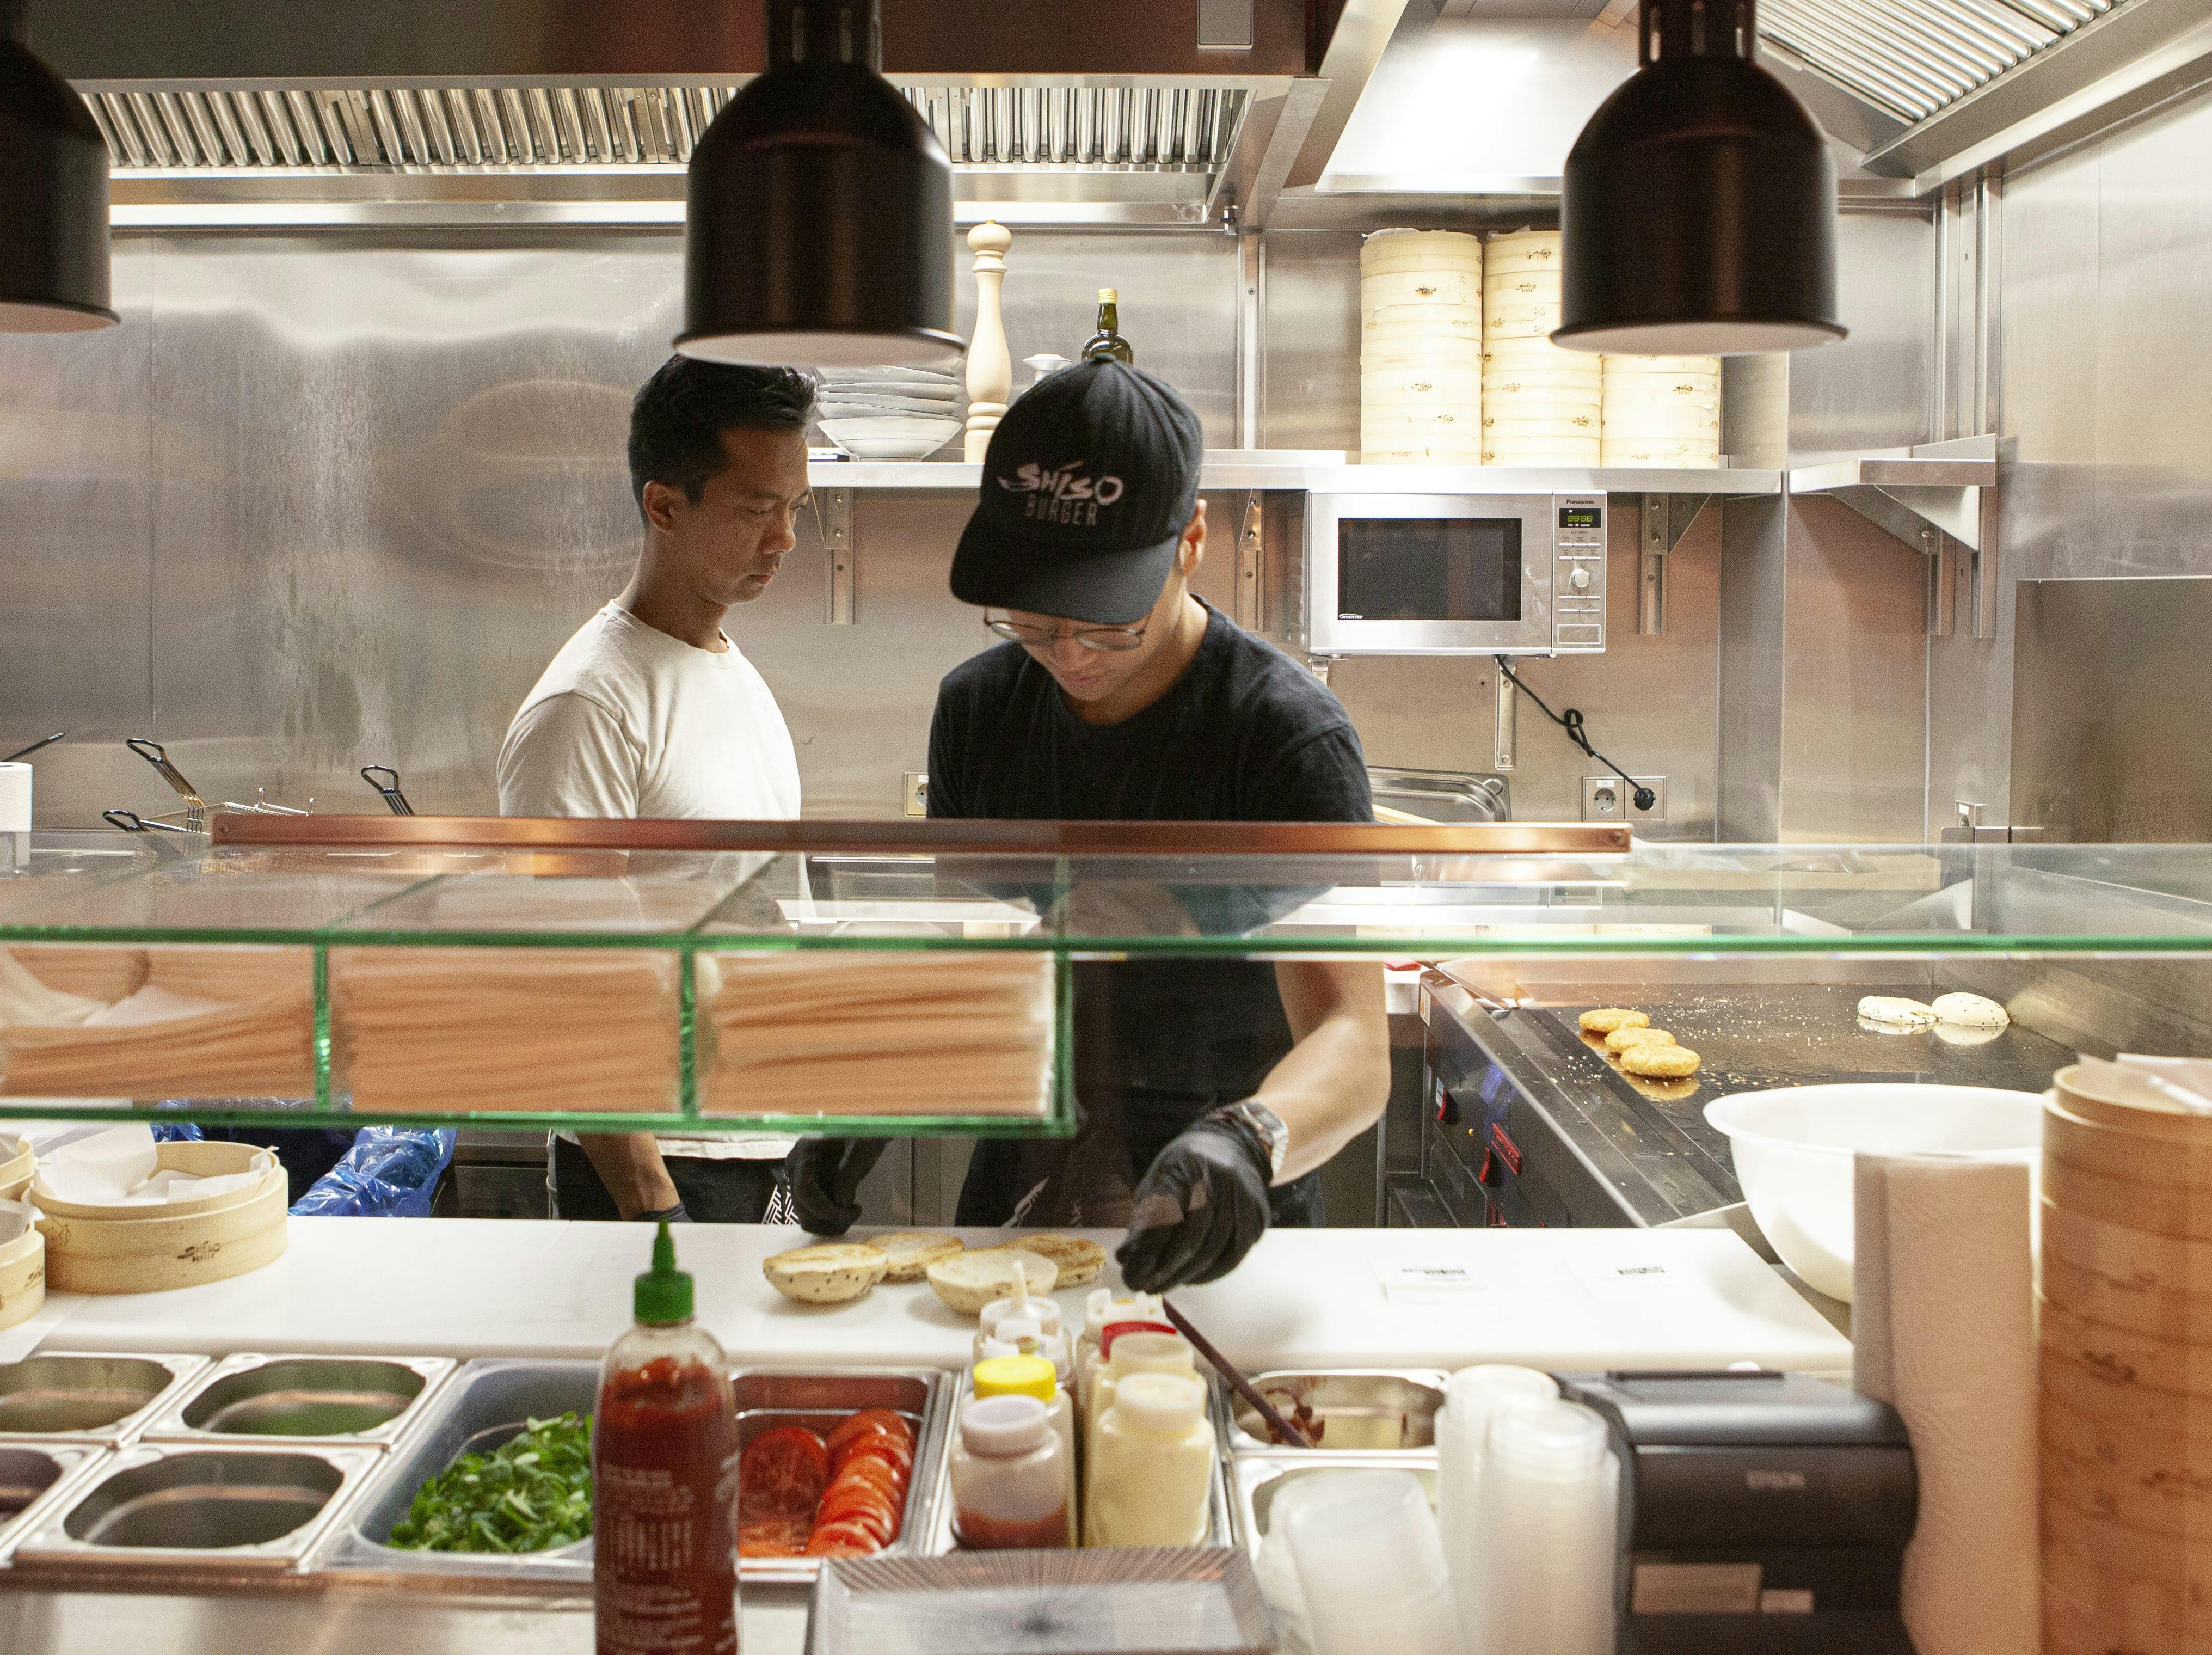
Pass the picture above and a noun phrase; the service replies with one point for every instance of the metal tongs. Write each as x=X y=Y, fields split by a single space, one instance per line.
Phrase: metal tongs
x=25 y=752
x=1290 y=1435
x=195 y=810
x=387 y=788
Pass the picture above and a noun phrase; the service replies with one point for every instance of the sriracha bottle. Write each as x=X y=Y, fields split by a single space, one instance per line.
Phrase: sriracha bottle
x=664 y=1479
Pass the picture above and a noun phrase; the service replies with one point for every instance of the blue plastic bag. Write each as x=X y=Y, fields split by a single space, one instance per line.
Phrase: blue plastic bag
x=390 y=1171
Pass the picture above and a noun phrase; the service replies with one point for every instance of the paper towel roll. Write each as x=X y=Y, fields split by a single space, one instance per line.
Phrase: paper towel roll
x=1943 y=1323
x=15 y=798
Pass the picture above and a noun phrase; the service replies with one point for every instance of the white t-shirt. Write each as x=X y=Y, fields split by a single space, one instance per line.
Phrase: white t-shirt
x=630 y=722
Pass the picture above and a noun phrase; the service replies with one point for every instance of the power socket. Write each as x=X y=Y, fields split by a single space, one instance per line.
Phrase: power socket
x=1609 y=798
x=916 y=793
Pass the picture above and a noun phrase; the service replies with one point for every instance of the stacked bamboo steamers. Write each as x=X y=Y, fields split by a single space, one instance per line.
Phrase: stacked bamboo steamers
x=2126 y=1366
x=1662 y=410
x=1541 y=405
x=1420 y=348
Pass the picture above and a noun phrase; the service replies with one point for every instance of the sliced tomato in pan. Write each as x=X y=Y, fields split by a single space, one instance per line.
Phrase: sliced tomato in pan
x=872 y=1469
x=781 y=1473
x=774 y=1537
x=846 y=1539
x=869 y=1419
x=865 y=1506
x=875 y=1445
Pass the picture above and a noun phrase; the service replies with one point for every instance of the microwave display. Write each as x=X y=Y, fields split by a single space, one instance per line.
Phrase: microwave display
x=1428 y=568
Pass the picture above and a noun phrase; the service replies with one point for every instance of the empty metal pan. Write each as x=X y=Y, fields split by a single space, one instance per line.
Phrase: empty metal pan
x=95 y=1398
x=302 y=1399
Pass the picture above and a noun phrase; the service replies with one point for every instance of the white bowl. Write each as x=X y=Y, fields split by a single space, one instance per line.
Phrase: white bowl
x=1793 y=1150
x=923 y=376
x=891 y=439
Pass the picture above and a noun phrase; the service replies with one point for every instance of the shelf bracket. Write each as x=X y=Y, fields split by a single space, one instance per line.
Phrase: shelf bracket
x=1932 y=495
x=1664 y=519
x=833 y=518
x=1251 y=563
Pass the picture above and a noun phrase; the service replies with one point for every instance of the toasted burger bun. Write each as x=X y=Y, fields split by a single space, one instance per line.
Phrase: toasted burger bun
x=834 y=1273
x=912 y=1252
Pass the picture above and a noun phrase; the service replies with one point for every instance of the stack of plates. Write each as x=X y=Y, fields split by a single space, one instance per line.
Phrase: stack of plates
x=1541 y=405
x=890 y=413
x=2127 y=1367
x=1421 y=347
x=1662 y=410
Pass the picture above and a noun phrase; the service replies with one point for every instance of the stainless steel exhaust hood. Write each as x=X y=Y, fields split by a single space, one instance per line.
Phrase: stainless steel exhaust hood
x=1054 y=110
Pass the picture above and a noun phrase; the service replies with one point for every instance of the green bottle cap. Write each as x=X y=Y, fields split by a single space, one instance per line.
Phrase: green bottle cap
x=664 y=1293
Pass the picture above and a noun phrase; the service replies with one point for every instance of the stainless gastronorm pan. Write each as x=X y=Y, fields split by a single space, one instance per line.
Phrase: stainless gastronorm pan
x=1387 y=1411
x=818 y=1398
x=1260 y=1477
x=100 y=1398
x=1222 y=1527
x=166 y=1506
x=338 y=1401
x=484 y=1405
x=33 y=1477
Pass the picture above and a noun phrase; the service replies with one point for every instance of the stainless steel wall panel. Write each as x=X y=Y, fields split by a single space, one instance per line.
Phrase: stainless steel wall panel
x=1310 y=328
x=2112 y=698
x=77 y=498
x=1753 y=590
x=1870 y=390
x=1854 y=714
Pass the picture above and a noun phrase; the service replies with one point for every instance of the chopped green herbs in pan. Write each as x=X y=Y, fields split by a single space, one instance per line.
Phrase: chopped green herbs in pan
x=531 y=1494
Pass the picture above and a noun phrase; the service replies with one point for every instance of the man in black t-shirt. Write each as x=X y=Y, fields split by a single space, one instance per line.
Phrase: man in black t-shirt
x=1212 y=1091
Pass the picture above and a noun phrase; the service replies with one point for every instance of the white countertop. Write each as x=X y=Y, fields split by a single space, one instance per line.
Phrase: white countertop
x=469 y=1288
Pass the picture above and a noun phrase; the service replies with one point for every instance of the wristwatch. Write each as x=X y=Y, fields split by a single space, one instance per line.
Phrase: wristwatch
x=1264 y=1124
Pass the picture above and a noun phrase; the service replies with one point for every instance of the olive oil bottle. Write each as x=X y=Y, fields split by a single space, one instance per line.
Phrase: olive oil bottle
x=1108 y=340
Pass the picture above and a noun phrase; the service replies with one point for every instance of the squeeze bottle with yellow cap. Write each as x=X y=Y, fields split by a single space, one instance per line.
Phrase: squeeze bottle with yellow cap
x=1033 y=1376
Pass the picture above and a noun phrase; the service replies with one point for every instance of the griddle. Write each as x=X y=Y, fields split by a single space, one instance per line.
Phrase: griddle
x=1751 y=1040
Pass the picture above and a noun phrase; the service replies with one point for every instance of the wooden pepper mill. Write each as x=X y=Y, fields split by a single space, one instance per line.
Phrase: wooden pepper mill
x=990 y=365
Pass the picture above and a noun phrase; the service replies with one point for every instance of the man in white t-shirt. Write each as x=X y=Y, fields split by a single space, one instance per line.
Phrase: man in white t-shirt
x=651 y=710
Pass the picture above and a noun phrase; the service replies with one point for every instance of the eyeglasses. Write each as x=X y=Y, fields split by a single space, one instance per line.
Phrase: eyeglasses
x=1112 y=640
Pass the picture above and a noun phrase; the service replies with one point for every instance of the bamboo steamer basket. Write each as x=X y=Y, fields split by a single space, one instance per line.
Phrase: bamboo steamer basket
x=1563 y=419
x=16 y=1169
x=1520 y=321
x=2161 y=1207
x=2142 y=1359
x=2132 y=1302
x=2151 y=1483
x=1707 y=366
x=1425 y=285
x=2093 y=1399
x=200 y=1159
x=2155 y=1263
x=1429 y=381
x=22 y=1271
x=2151 y=1591
x=155 y=1254
x=1642 y=450
x=1413 y=250
x=1519 y=250
x=2143 y=1151
x=1508 y=453
x=2130 y=1108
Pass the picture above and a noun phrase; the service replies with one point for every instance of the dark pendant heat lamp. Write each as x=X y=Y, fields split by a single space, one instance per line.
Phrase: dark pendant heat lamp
x=1699 y=203
x=53 y=196
x=819 y=225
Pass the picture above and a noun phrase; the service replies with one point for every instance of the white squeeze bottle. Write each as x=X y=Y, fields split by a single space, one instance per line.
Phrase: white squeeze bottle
x=1152 y=1477
x=1033 y=1376
x=1102 y=1310
x=1128 y=1354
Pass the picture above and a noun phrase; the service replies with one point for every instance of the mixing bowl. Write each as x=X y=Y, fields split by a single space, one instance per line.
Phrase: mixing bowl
x=1793 y=1150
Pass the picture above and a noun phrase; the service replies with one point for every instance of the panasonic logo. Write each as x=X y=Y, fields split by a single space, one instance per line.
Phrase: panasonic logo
x=1771 y=1482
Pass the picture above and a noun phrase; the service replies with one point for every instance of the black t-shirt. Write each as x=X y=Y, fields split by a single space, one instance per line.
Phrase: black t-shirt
x=1246 y=734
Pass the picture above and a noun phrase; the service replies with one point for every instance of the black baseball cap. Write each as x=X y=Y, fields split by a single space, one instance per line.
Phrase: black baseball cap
x=1087 y=483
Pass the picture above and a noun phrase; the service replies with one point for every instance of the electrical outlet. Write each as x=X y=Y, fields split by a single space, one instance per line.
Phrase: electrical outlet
x=916 y=793
x=1609 y=798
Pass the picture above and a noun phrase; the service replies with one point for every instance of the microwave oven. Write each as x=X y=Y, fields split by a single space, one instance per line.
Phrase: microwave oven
x=1451 y=575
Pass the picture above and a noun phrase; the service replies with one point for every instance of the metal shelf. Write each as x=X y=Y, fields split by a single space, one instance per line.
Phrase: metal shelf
x=1931 y=495
x=1303 y=470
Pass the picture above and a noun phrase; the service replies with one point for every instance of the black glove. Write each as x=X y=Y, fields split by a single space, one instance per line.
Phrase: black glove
x=1201 y=1205
x=825 y=1180
x=675 y=1214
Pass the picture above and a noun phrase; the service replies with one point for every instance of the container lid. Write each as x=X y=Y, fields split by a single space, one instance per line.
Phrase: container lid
x=1041 y=1309
x=1104 y=1309
x=664 y=1293
x=1016 y=1376
x=1146 y=1347
x=999 y=1427
x=1168 y=1404
x=1476 y=1390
